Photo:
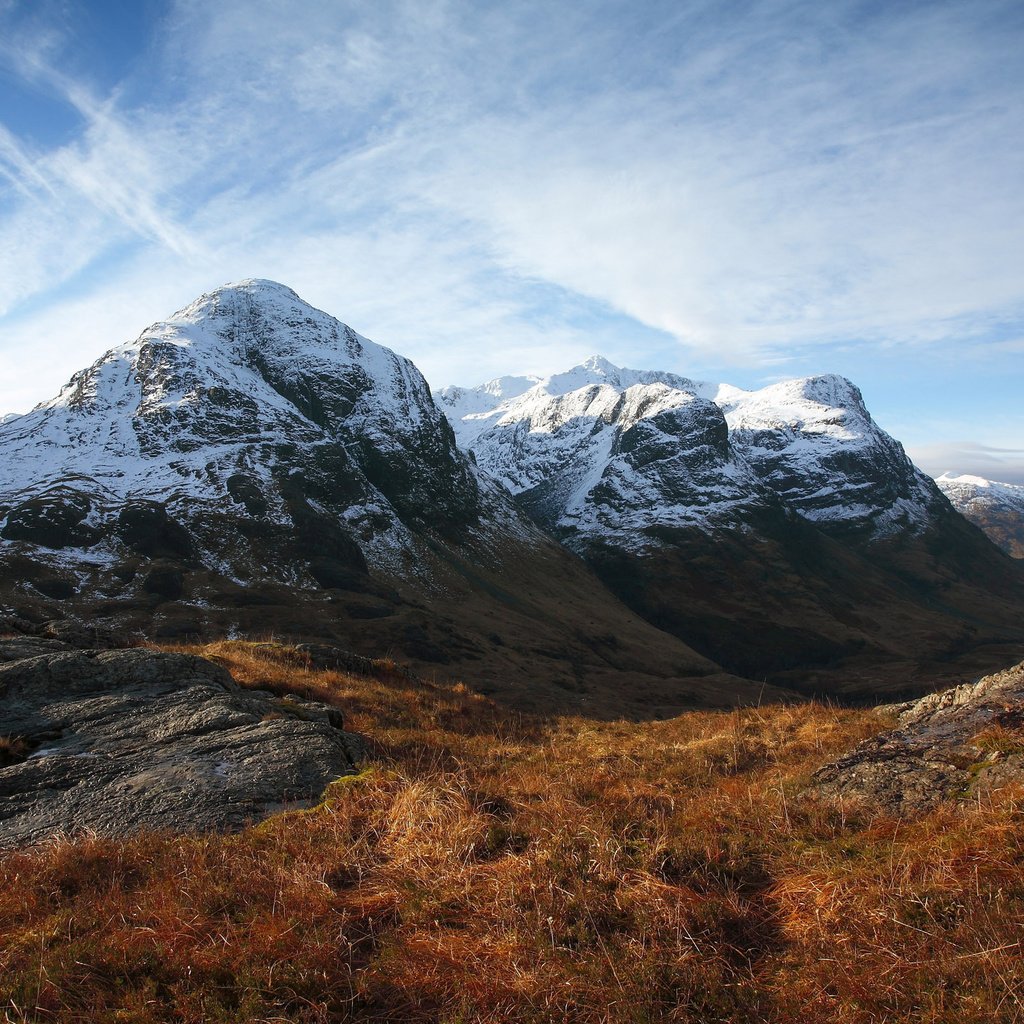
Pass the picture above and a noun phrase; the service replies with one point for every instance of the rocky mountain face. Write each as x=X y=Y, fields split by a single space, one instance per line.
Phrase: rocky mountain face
x=996 y=508
x=292 y=446
x=780 y=531
x=252 y=465
x=606 y=454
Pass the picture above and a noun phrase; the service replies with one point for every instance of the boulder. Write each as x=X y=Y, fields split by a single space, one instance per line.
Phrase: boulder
x=951 y=745
x=117 y=741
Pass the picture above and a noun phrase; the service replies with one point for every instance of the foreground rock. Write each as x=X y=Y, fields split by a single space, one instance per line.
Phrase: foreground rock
x=117 y=741
x=947 y=746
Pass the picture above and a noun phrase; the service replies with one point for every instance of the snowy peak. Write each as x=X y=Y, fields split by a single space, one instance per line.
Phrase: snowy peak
x=502 y=388
x=598 y=371
x=997 y=508
x=826 y=404
x=604 y=451
x=593 y=371
x=590 y=389
x=978 y=486
x=250 y=399
x=460 y=403
x=244 y=360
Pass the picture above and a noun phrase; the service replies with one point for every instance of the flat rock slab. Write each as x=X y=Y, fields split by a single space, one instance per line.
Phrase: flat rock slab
x=118 y=741
x=947 y=746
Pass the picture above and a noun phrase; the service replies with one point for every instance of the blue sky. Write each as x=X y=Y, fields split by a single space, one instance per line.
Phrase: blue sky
x=736 y=191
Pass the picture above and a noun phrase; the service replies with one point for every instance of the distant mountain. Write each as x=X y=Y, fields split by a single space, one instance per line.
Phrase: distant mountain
x=607 y=453
x=252 y=465
x=780 y=531
x=996 y=508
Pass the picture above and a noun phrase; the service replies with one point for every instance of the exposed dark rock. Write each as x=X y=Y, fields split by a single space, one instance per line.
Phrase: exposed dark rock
x=58 y=587
x=165 y=581
x=947 y=746
x=331 y=657
x=128 y=740
x=55 y=519
x=146 y=527
x=19 y=648
x=245 y=490
x=77 y=634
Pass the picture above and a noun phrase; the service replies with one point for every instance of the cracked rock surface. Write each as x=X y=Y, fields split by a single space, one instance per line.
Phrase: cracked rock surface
x=117 y=741
x=946 y=746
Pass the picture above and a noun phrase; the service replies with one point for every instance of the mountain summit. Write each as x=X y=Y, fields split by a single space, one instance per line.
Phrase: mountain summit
x=253 y=465
x=229 y=399
x=637 y=451
x=780 y=531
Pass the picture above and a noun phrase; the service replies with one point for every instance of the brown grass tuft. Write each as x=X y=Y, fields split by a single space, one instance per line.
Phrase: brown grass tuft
x=13 y=749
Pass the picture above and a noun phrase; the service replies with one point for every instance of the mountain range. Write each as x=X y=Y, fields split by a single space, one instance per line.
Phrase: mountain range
x=997 y=508
x=781 y=531
x=617 y=540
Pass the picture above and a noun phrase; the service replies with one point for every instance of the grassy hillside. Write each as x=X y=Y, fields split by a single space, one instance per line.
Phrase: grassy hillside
x=489 y=866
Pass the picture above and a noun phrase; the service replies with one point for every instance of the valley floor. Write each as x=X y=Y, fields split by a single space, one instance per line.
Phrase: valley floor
x=490 y=866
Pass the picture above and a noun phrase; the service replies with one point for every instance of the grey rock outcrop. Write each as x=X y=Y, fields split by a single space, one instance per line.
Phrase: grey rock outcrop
x=949 y=745
x=117 y=741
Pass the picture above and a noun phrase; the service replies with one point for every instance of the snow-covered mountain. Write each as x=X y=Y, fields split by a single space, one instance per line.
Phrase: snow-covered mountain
x=601 y=452
x=774 y=529
x=996 y=508
x=252 y=465
x=247 y=403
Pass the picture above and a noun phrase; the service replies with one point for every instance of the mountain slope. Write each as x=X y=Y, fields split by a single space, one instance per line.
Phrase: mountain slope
x=253 y=465
x=996 y=508
x=779 y=531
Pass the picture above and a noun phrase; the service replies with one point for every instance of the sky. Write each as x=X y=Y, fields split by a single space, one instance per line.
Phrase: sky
x=733 y=191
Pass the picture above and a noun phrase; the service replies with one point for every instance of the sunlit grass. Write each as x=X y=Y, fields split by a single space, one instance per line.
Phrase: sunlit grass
x=489 y=866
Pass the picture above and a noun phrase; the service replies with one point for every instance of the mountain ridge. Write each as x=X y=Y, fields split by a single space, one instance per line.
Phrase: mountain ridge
x=253 y=465
x=778 y=530
x=997 y=508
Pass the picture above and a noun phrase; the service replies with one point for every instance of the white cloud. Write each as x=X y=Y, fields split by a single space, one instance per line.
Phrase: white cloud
x=766 y=219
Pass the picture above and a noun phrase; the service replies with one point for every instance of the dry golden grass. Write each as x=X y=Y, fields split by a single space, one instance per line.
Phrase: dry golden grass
x=488 y=866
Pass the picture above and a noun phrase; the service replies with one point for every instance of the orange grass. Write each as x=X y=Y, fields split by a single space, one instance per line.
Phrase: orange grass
x=488 y=866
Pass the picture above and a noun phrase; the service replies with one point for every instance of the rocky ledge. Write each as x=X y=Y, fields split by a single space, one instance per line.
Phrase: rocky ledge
x=117 y=741
x=951 y=745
